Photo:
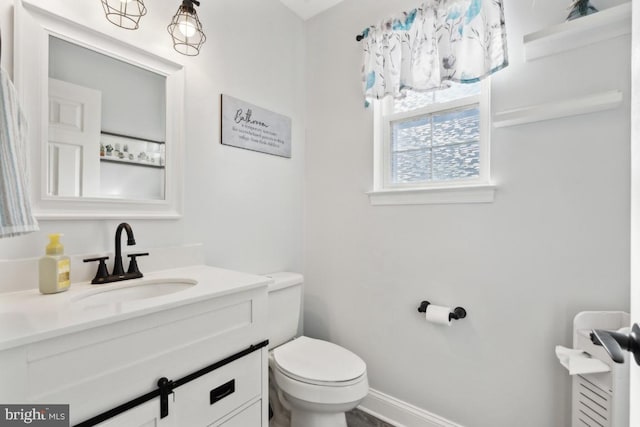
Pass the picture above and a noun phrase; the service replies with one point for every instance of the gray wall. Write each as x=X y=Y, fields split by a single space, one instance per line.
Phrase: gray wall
x=634 y=418
x=554 y=242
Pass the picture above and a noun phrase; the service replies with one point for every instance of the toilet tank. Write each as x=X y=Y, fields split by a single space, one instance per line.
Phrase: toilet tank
x=285 y=299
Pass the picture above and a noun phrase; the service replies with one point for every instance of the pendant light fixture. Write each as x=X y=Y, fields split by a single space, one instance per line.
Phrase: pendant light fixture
x=124 y=13
x=186 y=29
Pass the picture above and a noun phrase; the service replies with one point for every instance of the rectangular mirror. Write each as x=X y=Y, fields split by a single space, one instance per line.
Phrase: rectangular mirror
x=105 y=121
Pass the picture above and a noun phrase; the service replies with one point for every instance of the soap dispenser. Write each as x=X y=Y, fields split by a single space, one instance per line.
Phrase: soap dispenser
x=55 y=267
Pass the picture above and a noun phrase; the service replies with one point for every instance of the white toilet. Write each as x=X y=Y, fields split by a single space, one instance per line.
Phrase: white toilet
x=315 y=380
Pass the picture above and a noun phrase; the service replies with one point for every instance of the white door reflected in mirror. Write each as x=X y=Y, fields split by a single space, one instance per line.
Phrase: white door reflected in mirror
x=74 y=140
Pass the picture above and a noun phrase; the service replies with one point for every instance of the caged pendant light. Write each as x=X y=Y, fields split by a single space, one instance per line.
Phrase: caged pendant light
x=124 y=13
x=186 y=29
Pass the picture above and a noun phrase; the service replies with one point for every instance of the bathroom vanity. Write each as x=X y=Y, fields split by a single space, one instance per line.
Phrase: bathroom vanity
x=200 y=329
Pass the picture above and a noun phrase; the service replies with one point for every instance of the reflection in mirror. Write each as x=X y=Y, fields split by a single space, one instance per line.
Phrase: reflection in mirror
x=138 y=102
x=107 y=129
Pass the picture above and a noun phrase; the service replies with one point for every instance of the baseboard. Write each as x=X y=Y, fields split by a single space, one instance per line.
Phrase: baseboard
x=399 y=413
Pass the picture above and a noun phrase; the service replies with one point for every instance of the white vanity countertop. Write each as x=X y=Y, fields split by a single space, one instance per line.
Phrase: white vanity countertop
x=29 y=316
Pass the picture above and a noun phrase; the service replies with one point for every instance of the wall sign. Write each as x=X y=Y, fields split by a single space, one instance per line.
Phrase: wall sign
x=246 y=126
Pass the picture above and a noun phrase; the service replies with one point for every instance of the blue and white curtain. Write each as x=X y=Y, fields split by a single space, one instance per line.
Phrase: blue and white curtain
x=439 y=42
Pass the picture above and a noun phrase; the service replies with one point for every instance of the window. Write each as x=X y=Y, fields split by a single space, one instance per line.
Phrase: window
x=433 y=147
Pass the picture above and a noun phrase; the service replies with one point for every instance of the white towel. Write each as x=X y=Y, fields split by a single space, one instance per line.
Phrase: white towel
x=15 y=205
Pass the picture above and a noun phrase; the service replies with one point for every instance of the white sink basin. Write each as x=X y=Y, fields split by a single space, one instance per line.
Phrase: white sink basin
x=121 y=292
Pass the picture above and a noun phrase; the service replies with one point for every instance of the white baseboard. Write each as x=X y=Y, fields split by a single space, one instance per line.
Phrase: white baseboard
x=399 y=413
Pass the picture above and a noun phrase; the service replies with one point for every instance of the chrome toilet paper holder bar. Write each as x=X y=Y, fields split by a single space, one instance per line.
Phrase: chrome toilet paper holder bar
x=458 y=312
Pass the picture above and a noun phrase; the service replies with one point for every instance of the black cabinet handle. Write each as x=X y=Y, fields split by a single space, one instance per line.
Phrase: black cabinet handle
x=615 y=343
x=221 y=392
x=166 y=388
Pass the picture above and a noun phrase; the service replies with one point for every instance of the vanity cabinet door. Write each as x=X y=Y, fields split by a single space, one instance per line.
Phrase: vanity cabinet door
x=145 y=415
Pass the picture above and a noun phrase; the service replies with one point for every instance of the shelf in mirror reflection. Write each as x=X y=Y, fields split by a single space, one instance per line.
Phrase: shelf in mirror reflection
x=131 y=150
x=131 y=162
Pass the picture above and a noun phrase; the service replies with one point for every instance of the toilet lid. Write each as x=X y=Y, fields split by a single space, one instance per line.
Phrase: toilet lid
x=313 y=360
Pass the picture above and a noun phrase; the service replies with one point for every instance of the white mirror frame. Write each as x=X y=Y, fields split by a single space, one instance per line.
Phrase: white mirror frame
x=33 y=26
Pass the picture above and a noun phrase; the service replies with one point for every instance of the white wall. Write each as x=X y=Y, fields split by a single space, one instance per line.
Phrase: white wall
x=635 y=204
x=554 y=242
x=245 y=207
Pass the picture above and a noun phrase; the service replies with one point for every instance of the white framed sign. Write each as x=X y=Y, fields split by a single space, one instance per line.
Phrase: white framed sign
x=253 y=128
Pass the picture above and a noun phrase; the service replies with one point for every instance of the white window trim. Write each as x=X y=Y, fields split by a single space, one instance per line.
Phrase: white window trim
x=475 y=190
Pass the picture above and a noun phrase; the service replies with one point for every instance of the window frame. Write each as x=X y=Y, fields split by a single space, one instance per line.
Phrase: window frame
x=478 y=189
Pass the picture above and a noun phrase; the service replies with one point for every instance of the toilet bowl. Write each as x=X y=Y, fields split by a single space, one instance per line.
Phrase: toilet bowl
x=315 y=380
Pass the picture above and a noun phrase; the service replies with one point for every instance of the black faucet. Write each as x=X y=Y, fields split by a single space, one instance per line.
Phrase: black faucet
x=103 y=276
x=118 y=270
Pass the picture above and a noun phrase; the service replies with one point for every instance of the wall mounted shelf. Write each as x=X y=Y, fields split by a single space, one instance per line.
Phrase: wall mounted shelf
x=595 y=102
x=603 y=25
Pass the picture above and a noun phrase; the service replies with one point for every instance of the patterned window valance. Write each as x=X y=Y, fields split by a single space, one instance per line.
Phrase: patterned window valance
x=426 y=48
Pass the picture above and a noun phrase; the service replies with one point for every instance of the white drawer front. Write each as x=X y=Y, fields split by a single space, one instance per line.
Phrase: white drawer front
x=228 y=387
x=249 y=417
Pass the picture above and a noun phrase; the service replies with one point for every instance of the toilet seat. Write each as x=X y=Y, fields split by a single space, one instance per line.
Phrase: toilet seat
x=318 y=362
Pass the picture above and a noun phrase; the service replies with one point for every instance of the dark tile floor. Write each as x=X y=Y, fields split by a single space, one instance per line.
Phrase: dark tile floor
x=358 y=418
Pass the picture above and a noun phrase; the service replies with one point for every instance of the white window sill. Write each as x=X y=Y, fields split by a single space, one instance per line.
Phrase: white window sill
x=433 y=195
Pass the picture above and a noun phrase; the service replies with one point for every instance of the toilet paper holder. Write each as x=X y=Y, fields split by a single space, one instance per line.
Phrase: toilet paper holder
x=458 y=312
